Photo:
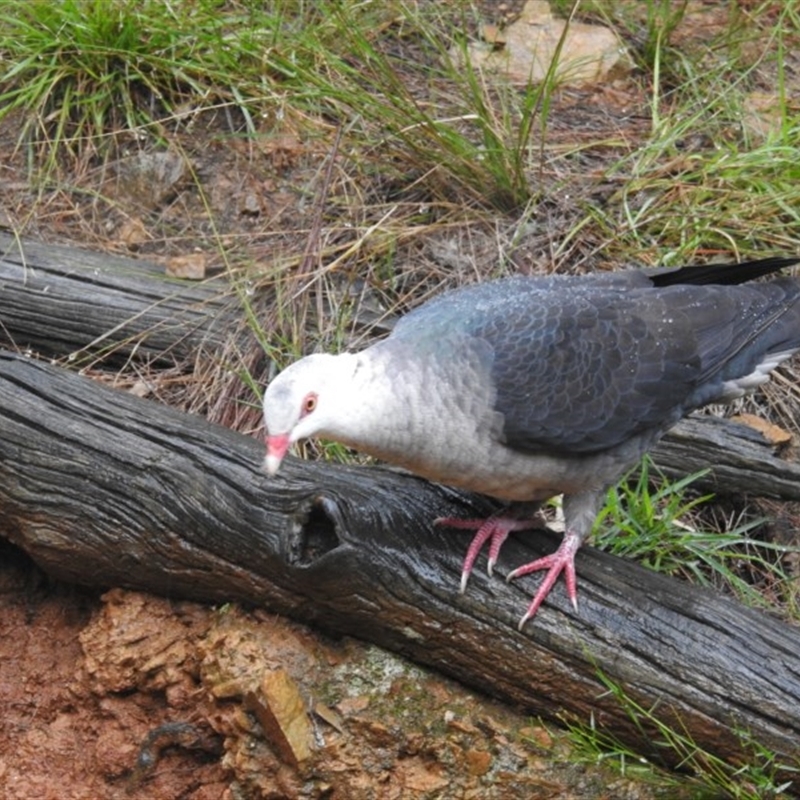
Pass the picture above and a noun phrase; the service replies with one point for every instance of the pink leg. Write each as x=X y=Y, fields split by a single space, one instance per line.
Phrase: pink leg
x=563 y=560
x=495 y=530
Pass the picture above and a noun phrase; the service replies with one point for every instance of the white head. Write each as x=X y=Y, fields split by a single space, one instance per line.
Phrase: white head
x=314 y=396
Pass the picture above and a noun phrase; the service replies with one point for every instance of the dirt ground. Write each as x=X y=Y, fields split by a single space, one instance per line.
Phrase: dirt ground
x=125 y=695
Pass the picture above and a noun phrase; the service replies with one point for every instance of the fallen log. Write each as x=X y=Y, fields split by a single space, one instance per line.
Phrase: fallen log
x=105 y=489
x=61 y=301
x=743 y=460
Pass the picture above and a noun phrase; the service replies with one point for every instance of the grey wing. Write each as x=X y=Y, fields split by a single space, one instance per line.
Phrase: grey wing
x=573 y=364
x=587 y=370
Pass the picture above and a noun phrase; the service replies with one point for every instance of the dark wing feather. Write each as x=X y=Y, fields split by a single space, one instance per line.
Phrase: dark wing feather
x=584 y=371
x=720 y=274
x=599 y=368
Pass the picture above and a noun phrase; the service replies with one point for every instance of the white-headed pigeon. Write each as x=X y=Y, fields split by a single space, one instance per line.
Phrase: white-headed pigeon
x=528 y=387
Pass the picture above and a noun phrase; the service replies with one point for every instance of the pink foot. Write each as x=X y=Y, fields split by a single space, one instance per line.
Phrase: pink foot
x=563 y=560
x=495 y=530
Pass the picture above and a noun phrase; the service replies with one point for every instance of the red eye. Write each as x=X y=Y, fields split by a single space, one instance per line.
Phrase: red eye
x=309 y=403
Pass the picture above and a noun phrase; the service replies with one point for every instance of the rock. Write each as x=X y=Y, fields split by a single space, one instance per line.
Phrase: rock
x=526 y=48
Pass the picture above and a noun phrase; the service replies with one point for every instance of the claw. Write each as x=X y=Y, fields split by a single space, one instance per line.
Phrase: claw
x=495 y=530
x=563 y=560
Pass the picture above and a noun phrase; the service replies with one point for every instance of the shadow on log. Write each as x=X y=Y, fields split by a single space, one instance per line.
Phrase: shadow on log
x=105 y=489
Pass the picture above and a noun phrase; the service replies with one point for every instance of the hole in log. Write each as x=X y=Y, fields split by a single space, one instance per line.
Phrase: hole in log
x=315 y=531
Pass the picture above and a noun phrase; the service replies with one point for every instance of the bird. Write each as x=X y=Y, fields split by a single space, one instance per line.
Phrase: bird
x=528 y=387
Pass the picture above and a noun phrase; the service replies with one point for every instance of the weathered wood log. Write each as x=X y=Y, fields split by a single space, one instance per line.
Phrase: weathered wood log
x=105 y=489
x=742 y=459
x=62 y=301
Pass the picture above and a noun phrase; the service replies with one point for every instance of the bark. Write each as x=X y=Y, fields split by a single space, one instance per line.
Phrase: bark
x=743 y=460
x=61 y=301
x=106 y=489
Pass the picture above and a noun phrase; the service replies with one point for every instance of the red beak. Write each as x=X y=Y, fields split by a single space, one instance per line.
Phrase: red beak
x=276 y=450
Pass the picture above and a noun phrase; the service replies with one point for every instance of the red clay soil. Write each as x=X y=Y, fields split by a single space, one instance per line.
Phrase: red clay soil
x=127 y=695
x=65 y=733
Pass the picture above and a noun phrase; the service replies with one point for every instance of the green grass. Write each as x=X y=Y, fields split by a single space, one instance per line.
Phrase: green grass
x=91 y=76
x=707 y=777
x=658 y=523
x=714 y=175
x=731 y=199
x=86 y=72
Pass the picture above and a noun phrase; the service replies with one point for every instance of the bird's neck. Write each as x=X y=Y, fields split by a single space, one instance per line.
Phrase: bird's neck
x=377 y=409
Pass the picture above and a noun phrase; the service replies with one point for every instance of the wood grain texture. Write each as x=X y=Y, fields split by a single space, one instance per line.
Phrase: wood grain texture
x=105 y=489
x=743 y=461
x=61 y=301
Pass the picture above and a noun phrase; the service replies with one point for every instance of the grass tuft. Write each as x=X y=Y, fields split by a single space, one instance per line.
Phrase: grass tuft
x=85 y=72
x=764 y=775
x=658 y=523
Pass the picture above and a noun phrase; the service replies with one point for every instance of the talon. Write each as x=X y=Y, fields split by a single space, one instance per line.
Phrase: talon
x=563 y=560
x=494 y=530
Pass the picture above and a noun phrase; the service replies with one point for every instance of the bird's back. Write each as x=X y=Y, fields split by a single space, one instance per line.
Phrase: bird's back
x=583 y=366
